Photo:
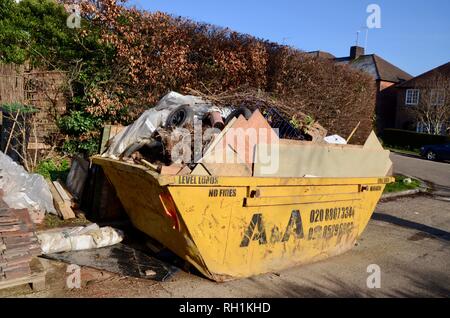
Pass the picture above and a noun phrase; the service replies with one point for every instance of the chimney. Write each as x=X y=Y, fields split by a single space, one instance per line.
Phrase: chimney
x=355 y=52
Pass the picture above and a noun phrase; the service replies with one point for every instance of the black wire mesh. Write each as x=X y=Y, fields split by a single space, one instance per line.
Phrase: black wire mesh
x=285 y=129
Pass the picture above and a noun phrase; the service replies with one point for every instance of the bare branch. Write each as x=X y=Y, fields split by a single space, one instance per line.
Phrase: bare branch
x=433 y=109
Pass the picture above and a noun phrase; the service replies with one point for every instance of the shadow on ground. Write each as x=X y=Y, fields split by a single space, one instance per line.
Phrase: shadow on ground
x=432 y=231
x=433 y=284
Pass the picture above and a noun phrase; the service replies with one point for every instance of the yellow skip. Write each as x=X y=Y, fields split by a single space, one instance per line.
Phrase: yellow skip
x=233 y=227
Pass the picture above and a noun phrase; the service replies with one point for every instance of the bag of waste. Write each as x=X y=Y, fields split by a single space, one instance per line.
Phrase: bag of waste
x=78 y=239
x=23 y=190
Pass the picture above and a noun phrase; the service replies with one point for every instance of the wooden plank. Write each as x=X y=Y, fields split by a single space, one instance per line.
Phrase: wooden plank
x=36 y=279
x=220 y=136
x=68 y=193
x=62 y=192
x=55 y=196
x=61 y=205
x=105 y=138
x=150 y=165
x=353 y=132
x=38 y=146
x=109 y=131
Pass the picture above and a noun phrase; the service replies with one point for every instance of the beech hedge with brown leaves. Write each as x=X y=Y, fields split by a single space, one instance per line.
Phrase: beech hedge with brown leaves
x=156 y=53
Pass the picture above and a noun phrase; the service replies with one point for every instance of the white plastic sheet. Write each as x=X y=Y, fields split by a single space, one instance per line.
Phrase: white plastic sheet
x=141 y=131
x=24 y=190
x=335 y=139
x=78 y=239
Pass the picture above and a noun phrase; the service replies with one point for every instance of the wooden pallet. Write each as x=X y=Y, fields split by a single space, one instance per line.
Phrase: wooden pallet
x=36 y=279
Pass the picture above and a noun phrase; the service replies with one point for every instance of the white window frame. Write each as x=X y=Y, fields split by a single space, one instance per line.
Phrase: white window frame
x=421 y=128
x=412 y=97
x=437 y=97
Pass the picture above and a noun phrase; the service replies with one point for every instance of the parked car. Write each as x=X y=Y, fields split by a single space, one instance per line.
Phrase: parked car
x=436 y=152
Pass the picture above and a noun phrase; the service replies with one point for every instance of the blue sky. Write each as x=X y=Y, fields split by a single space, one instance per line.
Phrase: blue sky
x=414 y=34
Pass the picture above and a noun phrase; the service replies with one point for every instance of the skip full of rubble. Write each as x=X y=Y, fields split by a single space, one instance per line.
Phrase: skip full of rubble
x=184 y=135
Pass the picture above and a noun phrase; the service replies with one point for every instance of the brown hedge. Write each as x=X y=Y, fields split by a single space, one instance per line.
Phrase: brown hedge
x=157 y=53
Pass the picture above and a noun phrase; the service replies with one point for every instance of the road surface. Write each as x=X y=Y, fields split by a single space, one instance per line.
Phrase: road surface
x=435 y=173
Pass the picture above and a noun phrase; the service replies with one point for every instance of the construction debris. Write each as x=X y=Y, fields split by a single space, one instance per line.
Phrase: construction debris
x=256 y=130
x=173 y=110
x=238 y=141
x=62 y=201
x=18 y=243
x=78 y=238
x=23 y=190
x=124 y=260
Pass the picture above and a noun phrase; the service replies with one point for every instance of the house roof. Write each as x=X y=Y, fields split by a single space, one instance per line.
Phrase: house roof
x=322 y=54
x=413 y=82
x=377 y=67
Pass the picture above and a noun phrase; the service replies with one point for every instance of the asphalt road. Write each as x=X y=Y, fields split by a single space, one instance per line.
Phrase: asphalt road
x=437 y=174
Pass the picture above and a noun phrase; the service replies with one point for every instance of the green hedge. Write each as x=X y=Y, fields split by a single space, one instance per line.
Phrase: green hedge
x=406 y=139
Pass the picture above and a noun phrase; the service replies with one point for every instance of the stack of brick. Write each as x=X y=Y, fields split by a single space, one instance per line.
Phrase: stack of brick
x=18 y=243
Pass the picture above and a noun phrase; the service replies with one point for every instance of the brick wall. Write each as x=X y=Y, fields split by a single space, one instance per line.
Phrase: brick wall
x=45 y=91
x=385 y=105
x=404 y=117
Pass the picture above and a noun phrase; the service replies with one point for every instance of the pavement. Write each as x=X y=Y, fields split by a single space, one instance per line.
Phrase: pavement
x=437 y=174
x=408 y=239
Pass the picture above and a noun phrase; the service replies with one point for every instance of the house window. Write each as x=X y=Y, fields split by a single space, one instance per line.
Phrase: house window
x=437 y=97
x=420 y=128
x=412 y=97
x=440 y=128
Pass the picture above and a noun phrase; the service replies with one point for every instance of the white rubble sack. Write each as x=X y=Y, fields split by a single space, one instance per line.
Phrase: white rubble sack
x=335 y=139
x=23 y=190
x=78 y=239
x=141 y=131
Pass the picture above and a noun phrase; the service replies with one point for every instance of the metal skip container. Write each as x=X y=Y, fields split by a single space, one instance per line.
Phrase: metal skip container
x=235 y=227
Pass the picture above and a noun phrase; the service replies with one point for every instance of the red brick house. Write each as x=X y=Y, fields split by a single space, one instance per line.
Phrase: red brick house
x=385 y=75
x=419 y=90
